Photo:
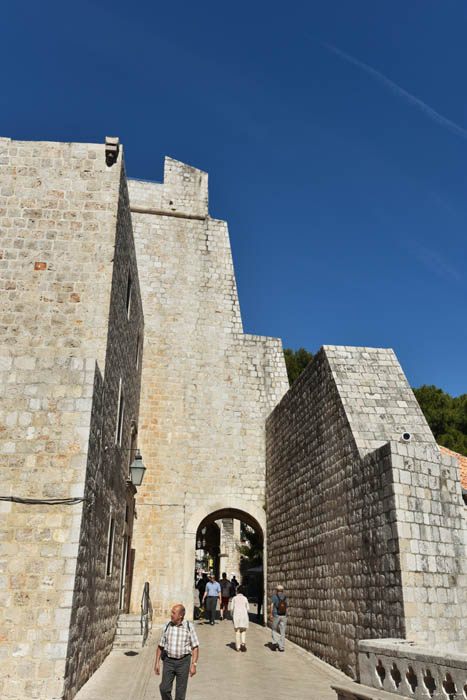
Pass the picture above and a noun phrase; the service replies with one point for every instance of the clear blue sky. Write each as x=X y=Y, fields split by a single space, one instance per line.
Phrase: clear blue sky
x=334 y=134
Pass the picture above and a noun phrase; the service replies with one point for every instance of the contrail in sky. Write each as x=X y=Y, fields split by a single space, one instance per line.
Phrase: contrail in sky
x=397 y=90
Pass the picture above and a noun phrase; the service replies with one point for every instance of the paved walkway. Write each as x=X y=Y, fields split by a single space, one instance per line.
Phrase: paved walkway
x=259 y=673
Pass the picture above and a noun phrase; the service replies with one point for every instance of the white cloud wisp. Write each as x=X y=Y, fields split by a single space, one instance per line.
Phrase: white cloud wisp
x=400 y=92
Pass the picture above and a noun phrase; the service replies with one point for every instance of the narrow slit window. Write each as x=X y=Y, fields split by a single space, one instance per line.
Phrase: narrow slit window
x=128 y=294
x=137 y=350
x=110 y=546
x=120 y=412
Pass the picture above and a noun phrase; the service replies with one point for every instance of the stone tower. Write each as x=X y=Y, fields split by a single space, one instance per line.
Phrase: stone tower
x=71 y=327
x=206 y=387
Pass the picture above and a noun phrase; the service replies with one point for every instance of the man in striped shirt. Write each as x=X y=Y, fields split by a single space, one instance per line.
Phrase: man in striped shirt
x=179 y=648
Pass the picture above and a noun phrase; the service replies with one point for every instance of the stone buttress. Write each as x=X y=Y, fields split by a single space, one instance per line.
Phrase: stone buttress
x=366 y=525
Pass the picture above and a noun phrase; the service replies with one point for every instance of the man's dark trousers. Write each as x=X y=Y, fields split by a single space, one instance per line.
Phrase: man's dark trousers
x=175 y=668
x=211 y=604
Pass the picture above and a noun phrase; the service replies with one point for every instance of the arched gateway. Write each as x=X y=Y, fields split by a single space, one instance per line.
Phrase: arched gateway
x=207 y=387
x=233 y=510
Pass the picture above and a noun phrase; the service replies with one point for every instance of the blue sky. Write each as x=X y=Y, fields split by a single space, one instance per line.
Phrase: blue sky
x=334 y=134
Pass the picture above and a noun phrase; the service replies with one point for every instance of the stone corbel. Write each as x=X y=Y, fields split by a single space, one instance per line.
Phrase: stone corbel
x=112 y=148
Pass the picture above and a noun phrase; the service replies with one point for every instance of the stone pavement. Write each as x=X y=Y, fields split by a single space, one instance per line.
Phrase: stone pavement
x=224 y=673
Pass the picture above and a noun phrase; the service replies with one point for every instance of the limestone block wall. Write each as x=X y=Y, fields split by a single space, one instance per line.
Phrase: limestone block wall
x=329 y=519
x=58 y=215
x=206 y=386
x=230 y=540
x=432 y=532
x=96 y=597
x=378 y=401
x=338 y=532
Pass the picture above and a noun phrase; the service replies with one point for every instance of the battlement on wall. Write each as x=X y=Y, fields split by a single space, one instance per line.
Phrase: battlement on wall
x=184 y=191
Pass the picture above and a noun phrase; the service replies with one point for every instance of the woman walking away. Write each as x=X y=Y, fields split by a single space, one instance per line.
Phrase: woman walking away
x=240 y=618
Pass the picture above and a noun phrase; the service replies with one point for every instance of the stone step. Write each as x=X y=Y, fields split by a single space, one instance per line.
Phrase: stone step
x=128 y=642
x=128 y=617
x=129 y=623
x=131 y=637
x=122 y=631
x=128 y=633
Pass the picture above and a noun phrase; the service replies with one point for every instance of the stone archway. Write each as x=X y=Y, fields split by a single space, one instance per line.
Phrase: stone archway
x=247 y=512
x=250 y=511
x=242 y=515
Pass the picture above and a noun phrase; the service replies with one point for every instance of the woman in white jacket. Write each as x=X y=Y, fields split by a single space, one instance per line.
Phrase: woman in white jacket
x=240 y=618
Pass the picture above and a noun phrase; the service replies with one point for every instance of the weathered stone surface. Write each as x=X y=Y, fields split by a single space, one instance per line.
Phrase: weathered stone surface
x=377 y=399
x=368 y=536
x=230 y=542
x=66 y=340
x=408 y=669
x=207 y=387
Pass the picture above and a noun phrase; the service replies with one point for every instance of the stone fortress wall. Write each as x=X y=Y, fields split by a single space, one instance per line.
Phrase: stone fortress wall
x=367 y=532
x=207 y=387
x=382 y=551
x=62 y=212
x=108 y=496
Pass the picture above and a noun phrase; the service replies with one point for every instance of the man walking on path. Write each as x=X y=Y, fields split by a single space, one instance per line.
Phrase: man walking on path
x=278 y=617
x=211 y=595
x=179 y=649
x=226 y=594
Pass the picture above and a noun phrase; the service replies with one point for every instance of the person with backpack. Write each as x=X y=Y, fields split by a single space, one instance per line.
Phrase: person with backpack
x=278 y=617
x=178 y=648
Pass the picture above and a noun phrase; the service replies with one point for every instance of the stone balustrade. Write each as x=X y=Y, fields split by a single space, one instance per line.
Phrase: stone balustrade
x=407 y=669
x=355 y=691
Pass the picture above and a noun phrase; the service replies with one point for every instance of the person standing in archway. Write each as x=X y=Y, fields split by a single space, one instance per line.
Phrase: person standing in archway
x=226 y=594
x=201 y=586
x=212 y=594
x=278 y=617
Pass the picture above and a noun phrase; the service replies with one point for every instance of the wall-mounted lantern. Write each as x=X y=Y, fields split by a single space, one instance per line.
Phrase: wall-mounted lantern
x=137 y=470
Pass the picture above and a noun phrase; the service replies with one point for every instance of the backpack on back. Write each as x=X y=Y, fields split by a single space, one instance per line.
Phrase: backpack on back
x=282 y=606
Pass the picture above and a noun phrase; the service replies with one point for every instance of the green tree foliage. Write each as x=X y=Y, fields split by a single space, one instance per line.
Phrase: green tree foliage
x=446 y=415
x=296 y=362
x=252 y=552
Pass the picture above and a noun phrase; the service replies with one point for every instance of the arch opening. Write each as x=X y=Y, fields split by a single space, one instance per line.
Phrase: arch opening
x=229 y=543
x=236 y=514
